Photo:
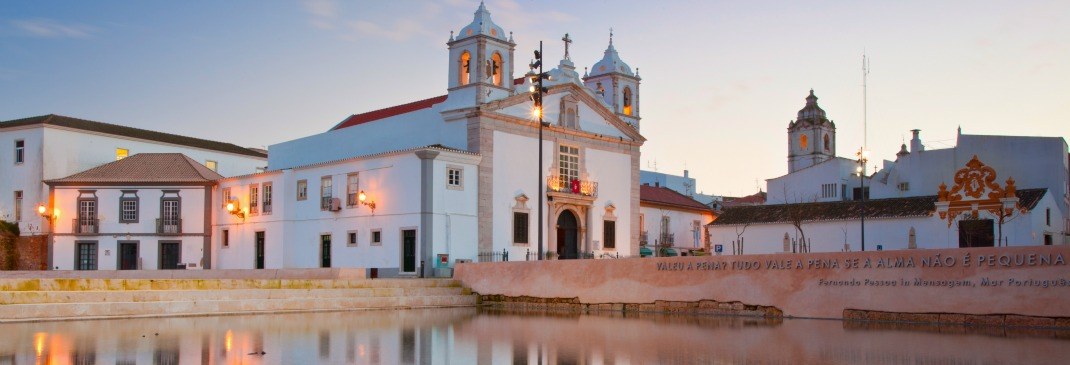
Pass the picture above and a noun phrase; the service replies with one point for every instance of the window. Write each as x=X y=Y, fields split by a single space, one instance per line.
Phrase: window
x=128 y=206
x=571 y=118
x=351 y=238
x=226 y=197
x=86 y=256
x=568 y=164
x=609 y=234
x=377 y=237
x=326 y=190
x=211 y=165
x=18 y=205
x=828 y=190
x=20 y=151
x=903 y=186
x=496 y=68
x=520 y=227
x=121 y=153
x=454 y=178
x=827 y=142
x=302 y=189
x=87 y=212
x=803 y=142
x=170 y=212
x=627 y=100
x=267 y=198
x=856 y=193
x=224 y=238
x=254 y=197
x=352 y=188
x=465 y=71
x=1048 y=241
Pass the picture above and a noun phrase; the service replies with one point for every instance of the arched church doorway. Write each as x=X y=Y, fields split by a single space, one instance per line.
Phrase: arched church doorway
x=567 y=235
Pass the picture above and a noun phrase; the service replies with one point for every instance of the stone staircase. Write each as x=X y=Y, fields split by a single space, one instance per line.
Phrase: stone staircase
x=65 y=299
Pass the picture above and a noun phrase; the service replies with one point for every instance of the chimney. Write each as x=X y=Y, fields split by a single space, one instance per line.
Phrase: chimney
x=685 y=173
x=915 y=143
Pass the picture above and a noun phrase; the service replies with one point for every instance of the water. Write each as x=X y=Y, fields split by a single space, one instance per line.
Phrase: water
x=471 y=336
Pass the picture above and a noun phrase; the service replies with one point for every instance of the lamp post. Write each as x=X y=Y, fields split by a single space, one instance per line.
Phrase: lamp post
x=536 y=97
x=862 y=159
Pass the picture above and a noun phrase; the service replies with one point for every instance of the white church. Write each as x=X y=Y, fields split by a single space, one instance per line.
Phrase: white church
x=984 y=191
x=411 y=189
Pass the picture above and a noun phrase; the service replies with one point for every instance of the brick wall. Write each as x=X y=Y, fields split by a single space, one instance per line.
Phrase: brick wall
x=33 y=253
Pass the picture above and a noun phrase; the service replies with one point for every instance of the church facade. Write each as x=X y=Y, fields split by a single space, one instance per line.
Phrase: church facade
x=984 y=191
x=484 y=126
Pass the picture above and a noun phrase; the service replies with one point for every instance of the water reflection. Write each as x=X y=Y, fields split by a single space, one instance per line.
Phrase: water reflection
x=469 y=336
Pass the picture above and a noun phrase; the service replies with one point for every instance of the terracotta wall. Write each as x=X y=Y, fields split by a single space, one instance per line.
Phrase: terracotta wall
x=32 y=253
x=1030 y=281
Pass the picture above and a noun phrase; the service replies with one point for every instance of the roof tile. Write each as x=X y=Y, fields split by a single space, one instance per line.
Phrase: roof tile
x=146 y=168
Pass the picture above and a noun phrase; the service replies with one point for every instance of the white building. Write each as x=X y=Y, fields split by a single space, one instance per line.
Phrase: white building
x=146 y=211
x=671 y=221
x=417 y=204
x=822 y=193
x=52 y=146
x=590 y=149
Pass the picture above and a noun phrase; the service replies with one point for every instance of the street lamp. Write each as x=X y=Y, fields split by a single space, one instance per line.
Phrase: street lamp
x=537 y=90
x=863 y=157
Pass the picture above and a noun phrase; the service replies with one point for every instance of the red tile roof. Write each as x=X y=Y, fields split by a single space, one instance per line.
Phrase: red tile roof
x=665 y=196
x=374 y=115
x=146 y=168
x=118 y=130
x=753 y=199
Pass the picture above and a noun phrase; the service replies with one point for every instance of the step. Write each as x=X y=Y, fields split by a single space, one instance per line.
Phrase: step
x=92 y=296
x=213 y=284
x=56 y=311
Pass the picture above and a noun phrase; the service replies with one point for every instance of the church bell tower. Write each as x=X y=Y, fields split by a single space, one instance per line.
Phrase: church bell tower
x=615 y=83
x=481 y=62
x=811 y=138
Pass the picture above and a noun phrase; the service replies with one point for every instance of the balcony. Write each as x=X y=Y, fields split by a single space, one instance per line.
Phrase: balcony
x=556 y=184
x=168 y=226
x=667 y=239
x=85 y=226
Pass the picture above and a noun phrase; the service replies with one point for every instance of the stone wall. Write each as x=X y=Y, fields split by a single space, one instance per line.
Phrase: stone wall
x=1029 y=285
x=32 y=253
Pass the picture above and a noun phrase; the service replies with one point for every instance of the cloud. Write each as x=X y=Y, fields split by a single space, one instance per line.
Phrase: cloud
x=47 y=28
x=323 y=12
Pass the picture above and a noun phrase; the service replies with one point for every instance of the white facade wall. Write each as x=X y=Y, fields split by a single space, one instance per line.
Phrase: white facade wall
x=54 y=152
x=392 y=181
x=681 y=225
x=892 y=233
x=111 y=231
x=514 y=174
x=805 y=185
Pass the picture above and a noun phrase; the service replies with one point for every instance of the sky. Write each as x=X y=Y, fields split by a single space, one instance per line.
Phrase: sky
x=720 y=79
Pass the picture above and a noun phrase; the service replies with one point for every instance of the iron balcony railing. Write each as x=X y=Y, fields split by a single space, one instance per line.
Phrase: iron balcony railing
x=86 y=226
x=168 y=226
x=267 y=208
x=557 y=183
x=667 y=239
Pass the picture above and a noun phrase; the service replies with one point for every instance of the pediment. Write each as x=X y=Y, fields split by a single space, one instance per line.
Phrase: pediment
x=591 y=115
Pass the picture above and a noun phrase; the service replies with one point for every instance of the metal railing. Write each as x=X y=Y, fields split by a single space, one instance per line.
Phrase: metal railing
x=168 y=226
x=667 y=239
x=267 y=208
x=85 y=226
x=580 y=187
x=494 y=256
x=643 y=238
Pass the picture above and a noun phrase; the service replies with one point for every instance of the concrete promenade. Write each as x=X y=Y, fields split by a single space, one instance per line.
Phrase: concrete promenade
x=67 y=295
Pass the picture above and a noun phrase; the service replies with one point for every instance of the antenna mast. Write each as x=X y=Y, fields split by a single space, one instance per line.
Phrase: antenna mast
x=865 y=124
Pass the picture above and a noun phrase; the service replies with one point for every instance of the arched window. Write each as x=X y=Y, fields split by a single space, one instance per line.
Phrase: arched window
x=627 y=100
x=570 y=118
x=827 y=142
x=496 y=68
x=803 y=142
x=465 y=69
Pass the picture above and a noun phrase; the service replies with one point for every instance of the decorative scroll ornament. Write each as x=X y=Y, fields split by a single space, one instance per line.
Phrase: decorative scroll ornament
x=975 y=190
